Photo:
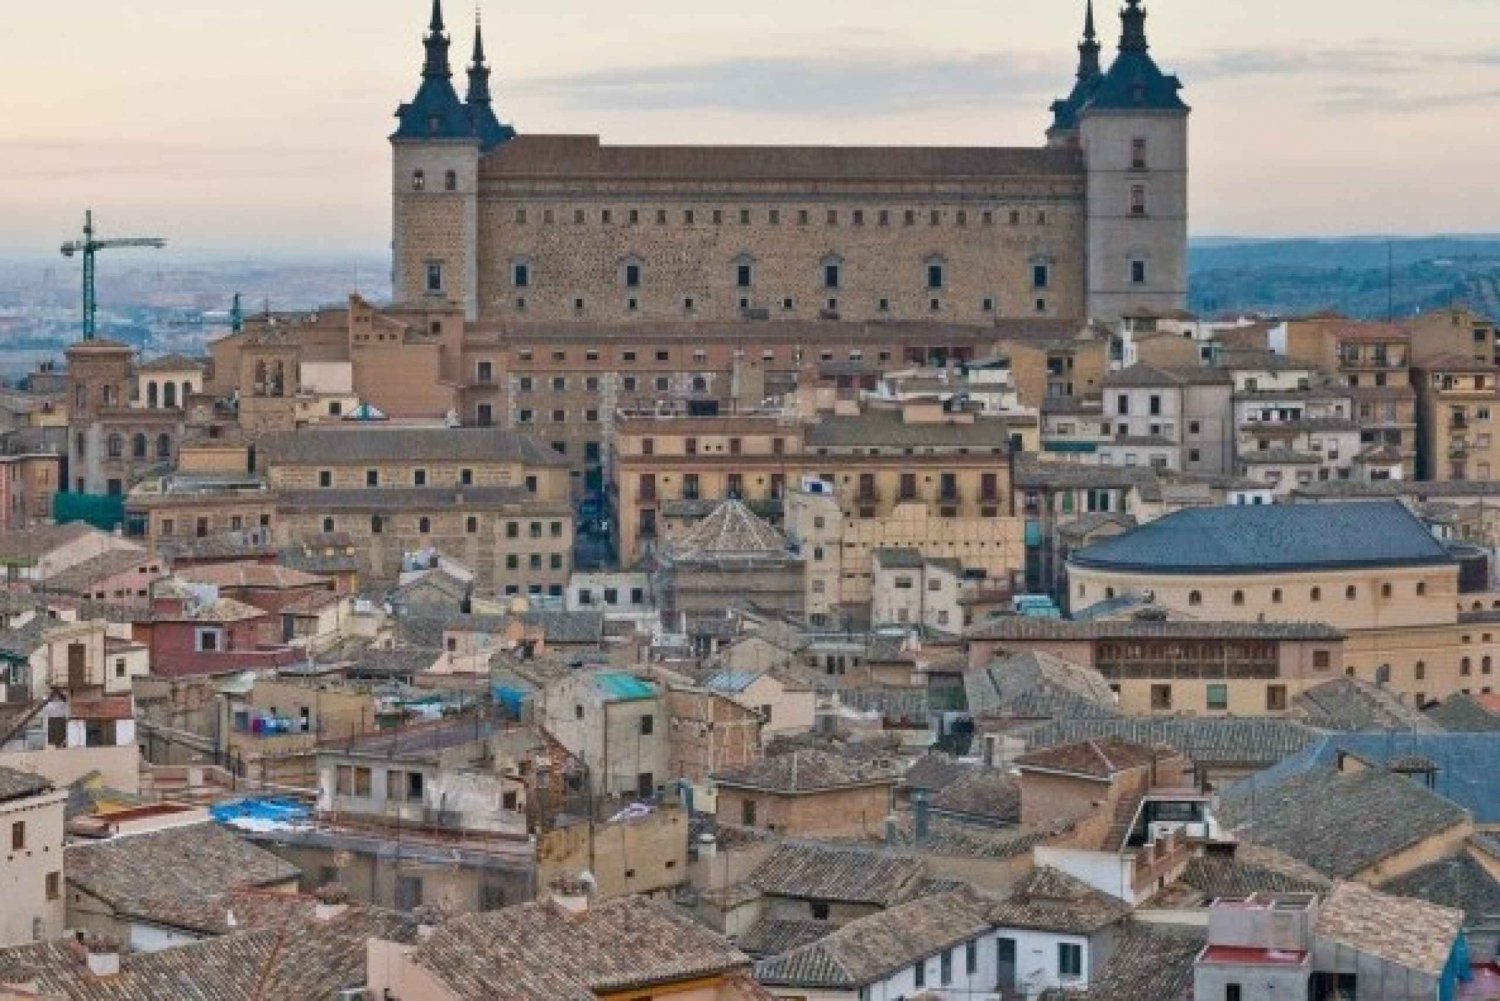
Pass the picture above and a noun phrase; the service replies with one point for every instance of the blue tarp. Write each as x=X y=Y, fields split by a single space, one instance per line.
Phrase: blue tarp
x=255 y=808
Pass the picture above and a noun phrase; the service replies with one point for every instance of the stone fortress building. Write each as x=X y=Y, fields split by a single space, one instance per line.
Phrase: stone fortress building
x=514 y=227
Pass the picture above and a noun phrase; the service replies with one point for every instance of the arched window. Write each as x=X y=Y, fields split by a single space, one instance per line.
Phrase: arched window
x=138 y=446
x=1195 y=598
x=169 y=394
x=424 y=525
x=116 y=446
x=151 y=396
x=164 y=446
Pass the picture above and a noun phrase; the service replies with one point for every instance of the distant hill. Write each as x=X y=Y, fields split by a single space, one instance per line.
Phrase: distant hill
x=1359 y=276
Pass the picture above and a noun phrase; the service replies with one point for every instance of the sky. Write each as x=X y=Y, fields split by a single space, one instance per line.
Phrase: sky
x=259 y=126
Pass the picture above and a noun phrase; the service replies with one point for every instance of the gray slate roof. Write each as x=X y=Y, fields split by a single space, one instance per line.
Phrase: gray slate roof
x=1341 y=824
x=1271 y=539
x=1050 y=900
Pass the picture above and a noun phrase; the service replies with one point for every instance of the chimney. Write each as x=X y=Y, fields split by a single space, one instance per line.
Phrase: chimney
x=571 y=895
x=429 y=919
x=923 y=812
x=333 y=900
x=102 y=954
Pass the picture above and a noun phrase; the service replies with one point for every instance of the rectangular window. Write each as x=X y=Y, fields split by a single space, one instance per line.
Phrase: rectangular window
x=1218 y=697
x=520 y=275
x=1137 y=154
x=648 y=725
x=832 y=275
x=971 y=957
x=434 y=278
x=1069 y=960
x=743 y=275
x=934 y=276
x=945 y=972
x=18 y=836
x=1137 y=199
x=919 y=973
x=1039 y=275
x=1138 y=272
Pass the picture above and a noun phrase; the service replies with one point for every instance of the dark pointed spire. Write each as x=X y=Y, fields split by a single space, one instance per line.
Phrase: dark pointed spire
x=1088 y=49
x=1133 y=18
x=479 y=70
x=491 y=131
x=437 y=43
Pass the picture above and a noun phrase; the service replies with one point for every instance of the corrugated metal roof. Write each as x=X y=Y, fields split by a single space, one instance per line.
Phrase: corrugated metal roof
x=623 y=687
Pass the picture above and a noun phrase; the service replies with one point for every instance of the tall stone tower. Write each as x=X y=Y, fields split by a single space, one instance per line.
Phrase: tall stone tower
x=435 y=181
x=1132 y=126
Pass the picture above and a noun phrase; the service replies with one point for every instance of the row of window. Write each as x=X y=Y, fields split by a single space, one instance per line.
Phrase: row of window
x=1217 y=698
x=831 y=271
x=776 y=216
x=1351 y=593
x=379 y=524
x=139 y=446
x=832 y=305
x=419 y=478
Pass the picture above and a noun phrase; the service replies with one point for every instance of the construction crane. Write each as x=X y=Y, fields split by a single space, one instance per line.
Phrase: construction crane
x=89 y=247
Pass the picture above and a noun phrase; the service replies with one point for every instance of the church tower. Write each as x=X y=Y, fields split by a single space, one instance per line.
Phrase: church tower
x=435 y=186
x=1133 y=129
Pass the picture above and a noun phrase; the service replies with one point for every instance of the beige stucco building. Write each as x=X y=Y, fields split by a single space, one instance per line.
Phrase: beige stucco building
x=1372 y=571
x=31 y=869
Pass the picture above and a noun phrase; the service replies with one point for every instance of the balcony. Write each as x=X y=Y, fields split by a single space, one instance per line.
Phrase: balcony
x=867 y=494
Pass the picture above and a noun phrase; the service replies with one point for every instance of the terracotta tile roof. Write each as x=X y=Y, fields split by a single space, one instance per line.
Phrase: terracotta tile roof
x=836 y=873
x=1098 y=759
x=1353 y=704
x=350 y=446
x=1224 y=742
x=584 y=155
x=1459 y=881
x=80 y=577
x=871 y=948
x=514 y=954
x=1251 y=869
x=19 y=785
x=1400 y=930
x=774 y=936
x=1025 y=627
x=1037 y=685
x=935 y=770
x=291 y=954
x=178 y=876
x=1050 y=900
x=249 y=575
x=807 y=771
x=27 y=545
x=989 y=795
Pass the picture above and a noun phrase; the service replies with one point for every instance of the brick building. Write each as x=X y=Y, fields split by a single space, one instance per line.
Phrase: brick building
x=496 y=501
x=516 y=227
